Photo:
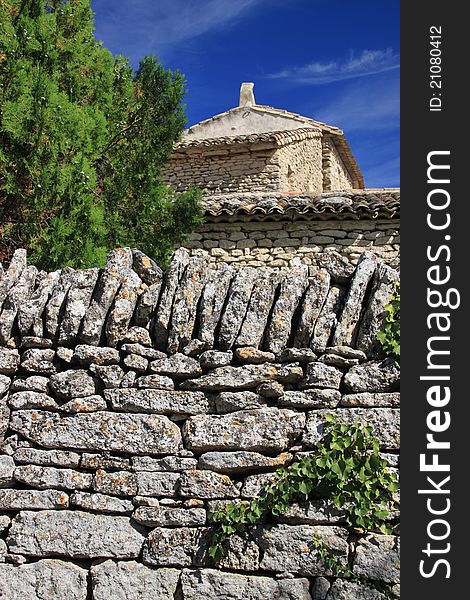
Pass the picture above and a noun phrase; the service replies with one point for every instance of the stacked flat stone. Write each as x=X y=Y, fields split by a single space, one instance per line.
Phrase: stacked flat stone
x=117 y=438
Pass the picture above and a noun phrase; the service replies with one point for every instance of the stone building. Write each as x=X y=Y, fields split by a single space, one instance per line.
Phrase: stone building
x=280 y=187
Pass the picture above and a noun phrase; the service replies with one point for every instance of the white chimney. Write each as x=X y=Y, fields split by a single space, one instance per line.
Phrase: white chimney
x=247 y=98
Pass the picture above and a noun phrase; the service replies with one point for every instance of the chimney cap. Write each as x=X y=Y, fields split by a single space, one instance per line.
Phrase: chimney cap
x=247 y=97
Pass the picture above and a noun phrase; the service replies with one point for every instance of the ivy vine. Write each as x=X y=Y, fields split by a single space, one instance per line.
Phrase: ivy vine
x=389 y=337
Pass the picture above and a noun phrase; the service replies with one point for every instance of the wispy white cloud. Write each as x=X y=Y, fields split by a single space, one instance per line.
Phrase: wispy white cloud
x=368 y=62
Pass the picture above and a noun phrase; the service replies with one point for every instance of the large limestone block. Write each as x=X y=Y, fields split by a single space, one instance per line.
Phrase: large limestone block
x=180 y=547
x=264 y=429
x=378 y=557
x=130 y=433
x=212 y=302
x=208 y=584
x=157 y=401
x=313 y=302
x=131 y=580
x=74 y=535
x=373 y=377
x=13 y=499
x=241 y=462
x=45 y=579
x=348 y=590
x=121 y=313
x=80 y=290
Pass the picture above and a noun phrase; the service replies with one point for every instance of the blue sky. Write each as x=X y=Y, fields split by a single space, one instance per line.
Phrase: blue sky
x=333 y=60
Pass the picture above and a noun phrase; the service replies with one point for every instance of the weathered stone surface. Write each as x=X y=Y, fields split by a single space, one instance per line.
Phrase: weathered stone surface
x=122 y=310
x=138 y=335
x=249 y=354
x=146 y=305
x=136 y=362
x=300 y=355
x=156 y=382
x=181 y=547
x=244 y=377
x=238 y=298
x=384 y=421
x=373 y=377
x=338 y=361
x=256 y=318
x=162 y=316
x=65 y=354
x=132 y=581
x=327 y=319
x=45 y=478
x=4 y=523
x=211 y=359
x=10 y=277
x=241 y=461
x=5 y=383
x=348 y=322
x=338 y=266
x=347 y=590
x=206 y=485
x=141 y=350
x=293 y=286
x=152 y=483
x=193 y=348
x=76 y=304
x=32 y=499
x=38 y=360
x=72 y=384
x=111 y=375
x=128 y=379
x=347 y=352
x=378 y=557
x=227 y=402
x=101 y=503
x=33 y=383
x=212 y=302
x=311 y=398
x=183 y=316
x=47 y=533
x=56 y=458
x=30 y=312
x=7 y=468
x=86 y=355
x=32 y=400
x=33 y=341
x=51 y=579
x=52 y=311
x=366 y=399
x=383 y=285
x=268 y=429
x=320 y=588
x=132 y=433
x=146 y=268
x=9 y=361
x=162 y=516
x=287 y=548
x=322 y=376
x=241 y=554
x=314 y=300
x=117 y=267
x=104 y=461
x=270 y=389
x=253 y=485
x=88 y=404
x=168 y=463
x=157 y=401
x=117 y=483
x=208 y=584
x=313 y=512
x=177 y=365
x=17 y=296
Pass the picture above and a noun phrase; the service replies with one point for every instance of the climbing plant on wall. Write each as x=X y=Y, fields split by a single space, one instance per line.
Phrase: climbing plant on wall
x=389 y=337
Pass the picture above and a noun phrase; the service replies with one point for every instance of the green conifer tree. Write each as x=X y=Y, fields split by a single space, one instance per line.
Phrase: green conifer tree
x=83 y=141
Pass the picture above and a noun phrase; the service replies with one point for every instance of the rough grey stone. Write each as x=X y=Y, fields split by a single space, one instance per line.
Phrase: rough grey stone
x=367 y=399
x=313 y=512
x=348 y=322
x=183 y=316
x=157 y=401
x=194 y=348
x=128 y=379
x=338 y=361
x=32 y=400
x=104 y=461
x=162 y=516
x=241 y=554
x=293 y=286
x=172 y=279
x=146 y=305
x=211 y=359
x=208 y=584
x=101 y=503
x=10 y=277
x=54 y=305
x=249 y=354
x=47 y=533
x=206 y=485
x=384 y=421
x=328 y=319
x=241 y=461
x=181 y=547
x=212 y=302
x=56 y=458
x=286 y=548
x=167 y=463
x=156 y=382
x=253 y=485
x=373 y=377
x=238 y=298
x=136 y=362
x=9 y=361
x=132 y=433
x=117 y=483
x=120 y=316
x=86 y=355
x=227 y=402
x=31 y=311
x=72 y=384
x=32 y=499
x=132 y=581
x=33 y=383
x=338 y=266
x=155 y=484
x=141 y=350
x=17 y=296
x=347 y=352
x=76 y=304
x=4 y=523
x=65 y=354
x=85 y=405
x=177 y=365
x=33 y=341
x=301 y=355
x=5 y=383
x=311 y=398
x=44 y=478
x=37 y=360
x=322 y=376
x=314 y=300
x=265 y=429
x=256 y=318
x=320 y=588
x=7 y=468
x=146 y=268
x=270 y=389
x=378 y=557
x=348 y=590
x=138 y=335
x=51 y=579
x=244 y=377
x=111 y=376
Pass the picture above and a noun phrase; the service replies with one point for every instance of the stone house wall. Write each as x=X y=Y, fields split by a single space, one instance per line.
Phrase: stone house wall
x=335 y=174
x=133 y=401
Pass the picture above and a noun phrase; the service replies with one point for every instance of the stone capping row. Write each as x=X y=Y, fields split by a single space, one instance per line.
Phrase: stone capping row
x=191 y=307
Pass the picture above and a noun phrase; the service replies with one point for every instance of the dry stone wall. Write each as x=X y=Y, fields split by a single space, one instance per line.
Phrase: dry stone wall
x=134 y=401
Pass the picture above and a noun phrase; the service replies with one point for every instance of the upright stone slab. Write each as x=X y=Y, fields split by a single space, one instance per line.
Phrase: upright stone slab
x=17 y=296
x=327 y=319
x=10 y=277
x=31 y=311
x=122 y=310
x=212 y=302
x=78 y=300
x=314 y=300
x=52 y=311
